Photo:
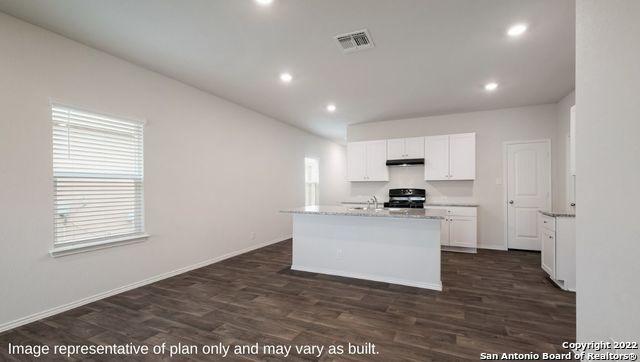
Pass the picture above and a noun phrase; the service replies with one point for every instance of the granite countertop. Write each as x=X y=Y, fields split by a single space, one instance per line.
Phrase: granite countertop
x=435 y=203
x=557 y=214
x=392 y=212
x=458 y=204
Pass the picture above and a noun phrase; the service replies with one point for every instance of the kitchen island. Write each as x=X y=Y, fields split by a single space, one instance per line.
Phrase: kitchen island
x=398 y=246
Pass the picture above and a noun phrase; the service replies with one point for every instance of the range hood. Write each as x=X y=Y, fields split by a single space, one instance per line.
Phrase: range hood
x=406 y=162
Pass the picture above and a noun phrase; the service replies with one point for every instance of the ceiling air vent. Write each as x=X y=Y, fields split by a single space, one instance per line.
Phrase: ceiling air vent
x=356 y=40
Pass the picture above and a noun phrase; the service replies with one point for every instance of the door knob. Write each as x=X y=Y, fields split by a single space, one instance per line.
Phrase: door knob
x=573 y=204
x=511 y=202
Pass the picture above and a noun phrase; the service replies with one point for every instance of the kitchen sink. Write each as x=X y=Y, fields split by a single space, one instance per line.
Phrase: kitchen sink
x=358 y=208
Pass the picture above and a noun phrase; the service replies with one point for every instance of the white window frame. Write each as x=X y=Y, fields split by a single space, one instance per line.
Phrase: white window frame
x=71 y=172
x=311 y=181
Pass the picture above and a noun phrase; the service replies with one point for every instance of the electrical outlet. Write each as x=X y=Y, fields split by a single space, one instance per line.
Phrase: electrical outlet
x=339 y=253
x=252 y=236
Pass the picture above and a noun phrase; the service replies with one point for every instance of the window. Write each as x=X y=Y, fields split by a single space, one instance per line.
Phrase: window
x=98 y=179
x=311 y=180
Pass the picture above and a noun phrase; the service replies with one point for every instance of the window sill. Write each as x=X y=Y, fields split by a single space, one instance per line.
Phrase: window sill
x=97 y=245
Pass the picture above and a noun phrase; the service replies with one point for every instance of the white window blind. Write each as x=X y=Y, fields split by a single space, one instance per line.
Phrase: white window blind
x=312 y=180
x=98 y=178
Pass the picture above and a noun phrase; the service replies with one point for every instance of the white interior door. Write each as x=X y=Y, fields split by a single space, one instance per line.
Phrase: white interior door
x=571 y=182
x=436 y=158
x=528 y=190
x=572 y=141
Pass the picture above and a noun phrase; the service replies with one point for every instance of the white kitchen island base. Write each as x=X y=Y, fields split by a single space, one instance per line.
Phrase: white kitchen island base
x=398 y=250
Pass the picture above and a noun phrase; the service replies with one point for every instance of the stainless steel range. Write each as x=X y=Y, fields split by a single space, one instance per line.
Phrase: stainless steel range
x=406 y=198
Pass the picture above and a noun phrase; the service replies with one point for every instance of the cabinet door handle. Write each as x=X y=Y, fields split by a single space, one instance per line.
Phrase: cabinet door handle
x=544 y=222
x=572 y=204
x=550 y=237
x=511 y=202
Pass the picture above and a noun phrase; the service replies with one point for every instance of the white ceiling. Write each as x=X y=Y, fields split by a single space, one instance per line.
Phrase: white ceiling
x=430 y=56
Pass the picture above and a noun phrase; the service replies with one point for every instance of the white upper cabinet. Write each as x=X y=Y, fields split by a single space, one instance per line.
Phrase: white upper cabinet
x=395 y=149
x=366 y=161
x=414 y=147
x=436 y=158
x=377 y=169
x=572 y=141
x=405 y=148
x=450 y=157
x=462 y=156
x=356 y=161
x=447 y=157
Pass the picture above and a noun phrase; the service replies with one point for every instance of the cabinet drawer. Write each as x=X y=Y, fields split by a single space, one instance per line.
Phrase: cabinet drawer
x=456 y=210
x=548 y=222
x=462 y=211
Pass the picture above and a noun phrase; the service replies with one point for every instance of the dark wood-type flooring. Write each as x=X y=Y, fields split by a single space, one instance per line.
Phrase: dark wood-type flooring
x=492 y=302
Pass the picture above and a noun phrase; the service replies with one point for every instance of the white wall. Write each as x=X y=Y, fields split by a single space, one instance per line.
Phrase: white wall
x=214 y=171
x=608 y=170
x=492 y=129
x=563 y=179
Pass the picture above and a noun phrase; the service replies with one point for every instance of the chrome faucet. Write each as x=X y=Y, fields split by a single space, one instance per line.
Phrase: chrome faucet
x=375 y=202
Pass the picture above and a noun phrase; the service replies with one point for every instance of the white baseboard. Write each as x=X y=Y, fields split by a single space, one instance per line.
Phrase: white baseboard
x=65 y=307
x=410 y=283
x=492 y=247
x=459 y=249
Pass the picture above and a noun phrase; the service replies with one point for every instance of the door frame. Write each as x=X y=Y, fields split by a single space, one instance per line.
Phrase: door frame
x=505 y=184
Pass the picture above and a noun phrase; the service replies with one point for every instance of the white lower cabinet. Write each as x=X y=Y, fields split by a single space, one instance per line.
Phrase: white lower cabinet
x=558 y=250
x=459 y=229
x=462 y=232
x=445 y=232
x=548 y=252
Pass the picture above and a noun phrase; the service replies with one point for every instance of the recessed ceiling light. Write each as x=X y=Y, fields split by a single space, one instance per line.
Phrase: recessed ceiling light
x=517 y=30
x=491 y=86
x=264 y=2
x=331 y=107
x=286 y=77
